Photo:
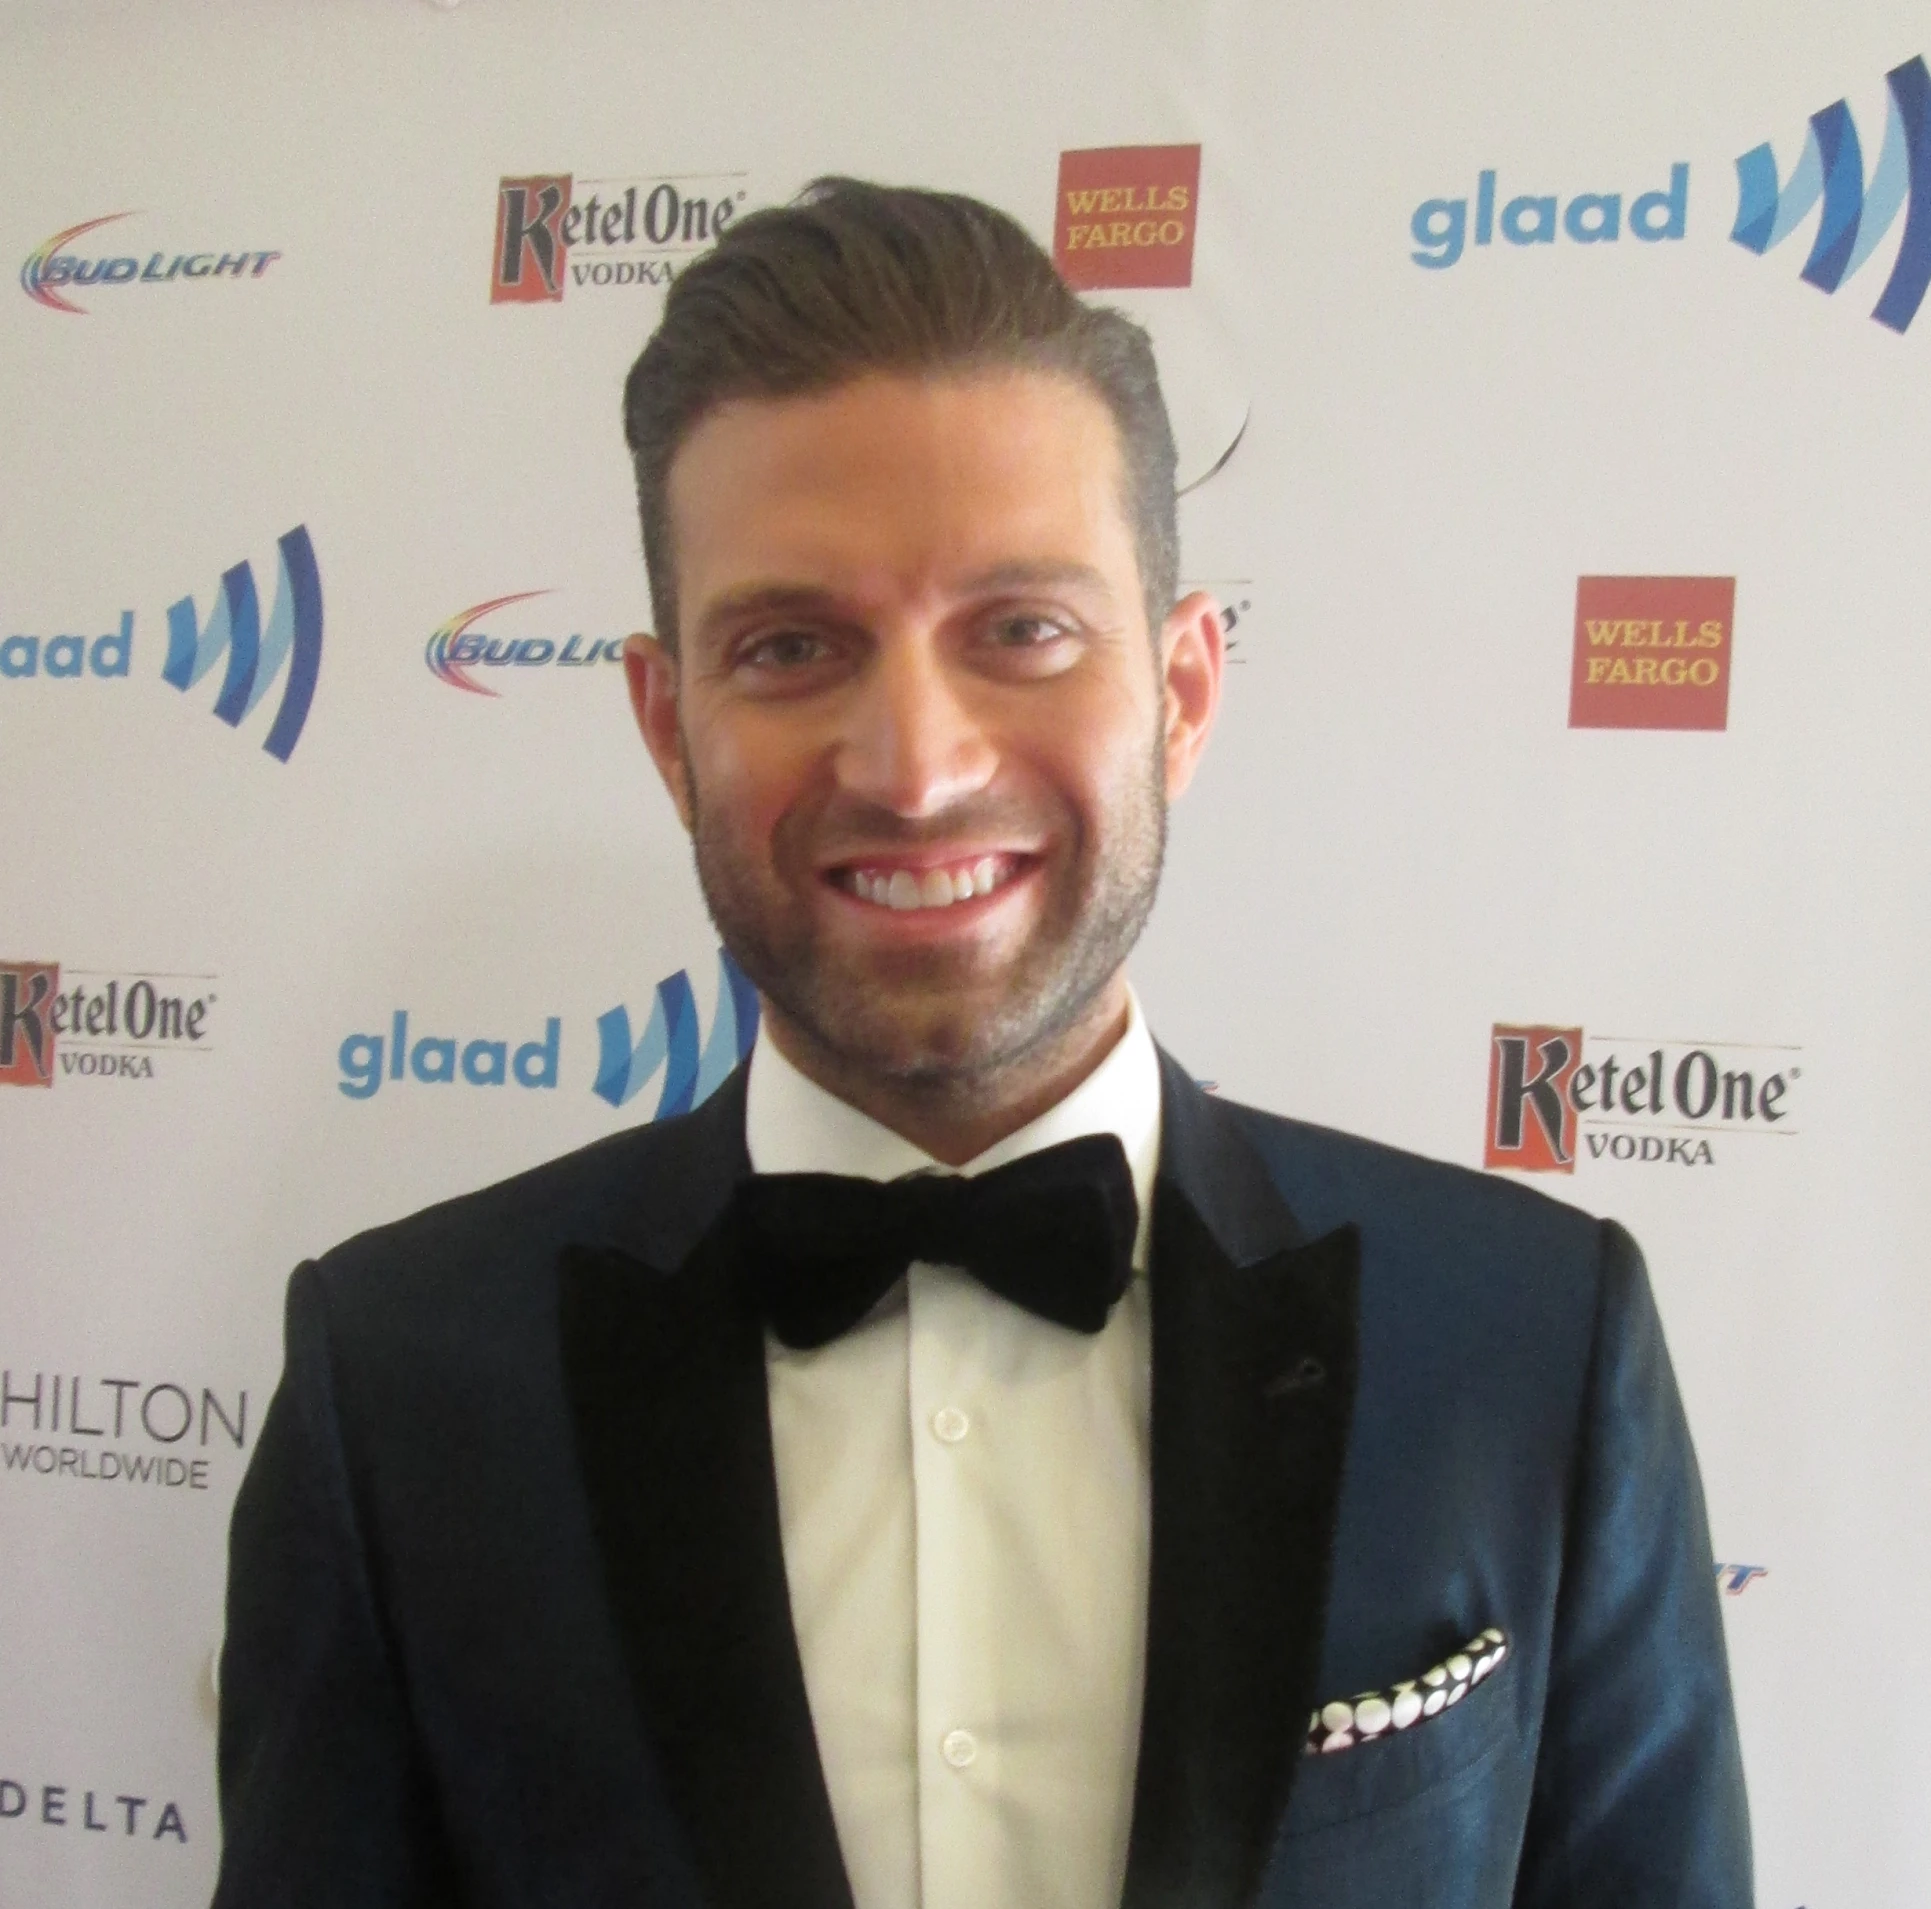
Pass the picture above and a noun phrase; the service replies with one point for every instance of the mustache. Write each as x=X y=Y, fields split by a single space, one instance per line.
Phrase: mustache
x=847 y=829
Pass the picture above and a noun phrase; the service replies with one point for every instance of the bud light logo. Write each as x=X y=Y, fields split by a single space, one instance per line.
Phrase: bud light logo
x=255 y=655
x=51 y=272
x=1857 y=212
x=1556 y=1096
x=456 y=647
x=671 y=1042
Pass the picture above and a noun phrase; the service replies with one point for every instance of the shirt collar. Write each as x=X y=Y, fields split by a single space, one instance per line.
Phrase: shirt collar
x=792 y=1125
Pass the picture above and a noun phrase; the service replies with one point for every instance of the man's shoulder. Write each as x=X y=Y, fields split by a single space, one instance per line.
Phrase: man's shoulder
x=1331 y=1178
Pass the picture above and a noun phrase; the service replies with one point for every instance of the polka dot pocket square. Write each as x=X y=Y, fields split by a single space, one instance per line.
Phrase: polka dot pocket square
x=1378 y=1714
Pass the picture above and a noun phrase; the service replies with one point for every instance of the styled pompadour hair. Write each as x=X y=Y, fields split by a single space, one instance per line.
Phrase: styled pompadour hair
x=853 y=278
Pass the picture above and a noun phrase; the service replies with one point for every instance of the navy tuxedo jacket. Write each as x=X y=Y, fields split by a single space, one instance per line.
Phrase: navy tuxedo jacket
x=507 y=1617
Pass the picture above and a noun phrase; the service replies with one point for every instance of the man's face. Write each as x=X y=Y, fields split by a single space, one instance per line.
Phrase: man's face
x=918 y=727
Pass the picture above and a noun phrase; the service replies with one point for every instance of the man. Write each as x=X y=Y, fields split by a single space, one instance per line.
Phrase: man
x=1147 y=1499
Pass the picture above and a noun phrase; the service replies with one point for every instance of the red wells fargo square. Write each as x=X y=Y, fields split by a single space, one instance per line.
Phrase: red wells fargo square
x=1652 y=653
x=1126 y=216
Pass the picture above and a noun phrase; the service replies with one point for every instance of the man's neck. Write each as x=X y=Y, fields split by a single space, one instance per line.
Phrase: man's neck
x=957 y=1119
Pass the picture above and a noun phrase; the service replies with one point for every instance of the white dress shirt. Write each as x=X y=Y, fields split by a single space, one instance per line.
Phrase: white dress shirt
x=964 y=1495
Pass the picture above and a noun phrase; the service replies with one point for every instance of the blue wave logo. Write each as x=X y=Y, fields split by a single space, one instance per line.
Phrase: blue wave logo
x=256 y=656
x=670 y=1041
x=1857 y=212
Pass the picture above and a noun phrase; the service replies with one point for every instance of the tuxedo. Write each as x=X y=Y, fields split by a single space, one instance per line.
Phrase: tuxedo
x=508 y=1620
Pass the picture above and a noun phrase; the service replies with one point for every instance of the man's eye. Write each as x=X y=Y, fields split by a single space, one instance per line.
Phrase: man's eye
x=784 y=650
x=1026 y=632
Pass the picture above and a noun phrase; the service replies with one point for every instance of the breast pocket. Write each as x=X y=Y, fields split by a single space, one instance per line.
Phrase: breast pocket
x=1429 y=1817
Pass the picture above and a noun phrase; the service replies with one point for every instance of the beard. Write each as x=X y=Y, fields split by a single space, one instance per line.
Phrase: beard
x=943 y=1022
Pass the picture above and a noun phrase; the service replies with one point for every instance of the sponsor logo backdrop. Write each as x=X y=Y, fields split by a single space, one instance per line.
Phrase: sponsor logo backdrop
x=1568 y=819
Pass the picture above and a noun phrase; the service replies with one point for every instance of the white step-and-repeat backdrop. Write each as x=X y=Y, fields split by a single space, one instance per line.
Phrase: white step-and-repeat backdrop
x=1554 y=390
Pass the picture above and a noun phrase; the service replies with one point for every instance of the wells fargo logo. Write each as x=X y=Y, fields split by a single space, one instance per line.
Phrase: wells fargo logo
x=1555 y=1095
x=1652 y=653
x=1126 y=216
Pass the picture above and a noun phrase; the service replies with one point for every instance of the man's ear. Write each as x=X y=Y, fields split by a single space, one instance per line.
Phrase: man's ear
x=651 y=671
x=1193 y=656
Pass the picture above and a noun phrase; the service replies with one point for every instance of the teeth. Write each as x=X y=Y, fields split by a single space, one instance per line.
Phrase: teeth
x=936 y=888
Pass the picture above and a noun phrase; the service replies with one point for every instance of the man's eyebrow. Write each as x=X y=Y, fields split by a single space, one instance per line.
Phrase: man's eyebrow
x=803 y=599
x=1041 y=574
x=764 y=599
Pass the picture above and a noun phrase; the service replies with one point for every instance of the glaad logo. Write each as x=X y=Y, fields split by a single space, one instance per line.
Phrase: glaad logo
x=1440 y=226
x=670 y=1041
x=455 y=648
x=112 y=1024
x=256 y=656
x=1630 y=1100
x=627 y=232
x=50 y=270
x=70 y=656
x=1735 y=1579
x=1856 y=213
x=441 y=1060
x=132 y=1413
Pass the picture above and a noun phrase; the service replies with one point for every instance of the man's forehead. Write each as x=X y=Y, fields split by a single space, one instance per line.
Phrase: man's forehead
x=962 y=481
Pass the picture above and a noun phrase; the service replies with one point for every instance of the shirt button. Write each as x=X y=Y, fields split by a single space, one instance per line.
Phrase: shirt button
x=958 y=1747
x=950 y=1425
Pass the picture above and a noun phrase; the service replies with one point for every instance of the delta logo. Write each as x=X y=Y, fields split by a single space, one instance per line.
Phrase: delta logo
x=52 y=272
x=1125 y=216
x=554 y=231
x=253 y=655
x=97 y=1024
x=458 y=646
x=1556 y=1095
x=1652 y=653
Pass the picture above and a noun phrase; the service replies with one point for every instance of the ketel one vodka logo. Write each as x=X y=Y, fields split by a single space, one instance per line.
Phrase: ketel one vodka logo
x=554 y=231
x=1556 y=1095
x=91 y=1023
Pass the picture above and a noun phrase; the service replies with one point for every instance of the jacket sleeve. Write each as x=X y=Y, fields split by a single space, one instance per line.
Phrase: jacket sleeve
x=324 y=1799
x=1638 y=1799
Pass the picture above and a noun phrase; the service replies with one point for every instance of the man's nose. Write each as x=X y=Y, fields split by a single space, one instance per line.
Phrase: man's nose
x=913 y=742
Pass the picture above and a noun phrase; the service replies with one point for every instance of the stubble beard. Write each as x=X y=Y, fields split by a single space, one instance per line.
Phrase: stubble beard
x=929 y=1024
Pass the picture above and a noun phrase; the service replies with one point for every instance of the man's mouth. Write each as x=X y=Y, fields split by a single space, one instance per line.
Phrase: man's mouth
x=940 y=885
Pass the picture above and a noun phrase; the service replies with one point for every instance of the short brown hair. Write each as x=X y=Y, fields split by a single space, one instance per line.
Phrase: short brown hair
x=853 y=277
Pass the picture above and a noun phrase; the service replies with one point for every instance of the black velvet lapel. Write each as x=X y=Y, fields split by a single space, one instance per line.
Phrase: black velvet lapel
x=664 y=1365
x=1254 y=1348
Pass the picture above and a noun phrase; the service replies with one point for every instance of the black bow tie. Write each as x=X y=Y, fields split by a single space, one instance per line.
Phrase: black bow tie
x=1052 y=1232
